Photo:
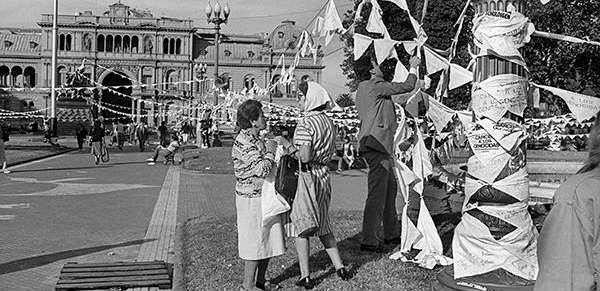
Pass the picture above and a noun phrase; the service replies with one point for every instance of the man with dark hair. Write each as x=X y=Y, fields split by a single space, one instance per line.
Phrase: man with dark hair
x=377 y=115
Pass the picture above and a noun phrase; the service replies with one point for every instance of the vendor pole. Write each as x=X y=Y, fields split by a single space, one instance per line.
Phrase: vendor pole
x=494 y=246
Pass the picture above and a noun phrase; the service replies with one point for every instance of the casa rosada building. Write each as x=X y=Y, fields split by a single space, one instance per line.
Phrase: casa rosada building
x=125 y=46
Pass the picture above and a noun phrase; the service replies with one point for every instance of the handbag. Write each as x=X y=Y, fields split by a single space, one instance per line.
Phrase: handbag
x=286 y=181
x=305 y=213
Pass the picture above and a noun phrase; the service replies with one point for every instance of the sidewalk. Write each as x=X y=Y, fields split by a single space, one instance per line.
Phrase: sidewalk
x=23 y=148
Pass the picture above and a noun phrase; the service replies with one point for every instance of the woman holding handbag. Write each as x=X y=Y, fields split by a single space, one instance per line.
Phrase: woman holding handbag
x=253 y=161
x=313 y=146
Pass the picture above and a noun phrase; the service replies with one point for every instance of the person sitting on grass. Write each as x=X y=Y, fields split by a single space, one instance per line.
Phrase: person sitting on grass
x=347 y=154
x=165 y=151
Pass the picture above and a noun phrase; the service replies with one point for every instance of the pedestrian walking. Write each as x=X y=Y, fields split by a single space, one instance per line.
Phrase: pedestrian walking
x=97 y=139
x=186 y=132
x=4 y=137
x=253 y=161
x=80 y=134
x=141 y=133
x=376 y=111
x=162 y=134
x=313 y=146
x=120 y=132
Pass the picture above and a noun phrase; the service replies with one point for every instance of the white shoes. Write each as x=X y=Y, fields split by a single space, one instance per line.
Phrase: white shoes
x=151 y=163
x=150 y=160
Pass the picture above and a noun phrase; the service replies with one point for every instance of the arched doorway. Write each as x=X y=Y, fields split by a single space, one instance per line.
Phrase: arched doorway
x=114 y=101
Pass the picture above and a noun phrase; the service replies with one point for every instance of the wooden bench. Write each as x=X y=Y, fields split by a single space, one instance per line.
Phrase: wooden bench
x=190 y=155
x=76 y=276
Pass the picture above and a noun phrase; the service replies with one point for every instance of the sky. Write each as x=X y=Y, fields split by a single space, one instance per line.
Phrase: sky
x=247 y=17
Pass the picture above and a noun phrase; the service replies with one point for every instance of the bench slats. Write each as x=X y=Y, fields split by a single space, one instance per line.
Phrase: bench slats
x=112 y=274
x=109 y=264
x=86 y=276
x=113 y=279
x=161 y=284
x=112 y=268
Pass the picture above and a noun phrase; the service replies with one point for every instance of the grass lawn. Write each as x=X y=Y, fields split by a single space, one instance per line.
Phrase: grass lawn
x=19 y=154
x=212 y=161
x=210 y=260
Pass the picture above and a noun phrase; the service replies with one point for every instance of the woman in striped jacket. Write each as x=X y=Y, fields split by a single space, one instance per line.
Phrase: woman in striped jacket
x=314 y=146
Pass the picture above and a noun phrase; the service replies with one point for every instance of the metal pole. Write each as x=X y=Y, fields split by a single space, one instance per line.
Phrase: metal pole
x=217 y=36
x=270 y=74
x=53 y=125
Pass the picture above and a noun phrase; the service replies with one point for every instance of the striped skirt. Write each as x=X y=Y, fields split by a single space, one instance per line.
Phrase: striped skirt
x=322 y=182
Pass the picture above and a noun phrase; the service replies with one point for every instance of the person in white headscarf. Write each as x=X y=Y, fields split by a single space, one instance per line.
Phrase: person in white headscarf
x=314 y=146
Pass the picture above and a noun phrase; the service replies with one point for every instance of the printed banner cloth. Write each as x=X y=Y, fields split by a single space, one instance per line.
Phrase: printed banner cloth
x=502 y=32
x=582 y=106
x=499 y=94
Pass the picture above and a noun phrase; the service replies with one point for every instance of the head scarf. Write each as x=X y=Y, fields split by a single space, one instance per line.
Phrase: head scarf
x=316 y=96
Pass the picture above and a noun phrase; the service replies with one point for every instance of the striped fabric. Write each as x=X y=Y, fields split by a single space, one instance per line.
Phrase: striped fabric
x=317 y=131
x=251 y=164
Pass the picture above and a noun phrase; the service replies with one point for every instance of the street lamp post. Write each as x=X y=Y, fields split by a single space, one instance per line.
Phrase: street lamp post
x=53 y=125
x=214 y=16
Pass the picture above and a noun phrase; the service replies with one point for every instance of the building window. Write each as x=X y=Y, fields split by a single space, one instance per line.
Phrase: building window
x=109 y=43
x=126 y=43
x=178 y=46
x=171 y=78
x=29 y=79
x=32 y=44
x=147 y=80
x=68 y=43
x=134 y=44
x=61 y=42
x=172 y=46
x=165 y=46
x=251 y=54
x=227 y=53
x=7 y=43
x=280 y=34
x=4 y=73
x=100 y=43
x=249 y=82
x=61 y=76
x=16 y=76
x=118 y=44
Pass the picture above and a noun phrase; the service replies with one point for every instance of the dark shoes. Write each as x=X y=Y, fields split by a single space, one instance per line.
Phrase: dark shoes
x=373 y=249
x=343 y=273
x=306 y=282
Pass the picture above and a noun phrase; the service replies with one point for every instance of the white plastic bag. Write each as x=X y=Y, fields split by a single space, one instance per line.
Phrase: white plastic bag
x=272 y=203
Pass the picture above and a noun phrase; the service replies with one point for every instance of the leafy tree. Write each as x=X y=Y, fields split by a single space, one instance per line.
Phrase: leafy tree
x=438 y=24
x=574 y=67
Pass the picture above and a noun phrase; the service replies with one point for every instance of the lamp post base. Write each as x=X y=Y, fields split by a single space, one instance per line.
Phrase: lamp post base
x=497 y=280
x=53 y=127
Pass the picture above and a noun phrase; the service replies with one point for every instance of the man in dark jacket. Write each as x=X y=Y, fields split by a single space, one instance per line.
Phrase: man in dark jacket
x=141 y=132
x=377 y=115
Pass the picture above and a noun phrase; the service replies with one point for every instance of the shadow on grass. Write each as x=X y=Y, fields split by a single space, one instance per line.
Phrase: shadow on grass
x=210 y=260
x=34 y=262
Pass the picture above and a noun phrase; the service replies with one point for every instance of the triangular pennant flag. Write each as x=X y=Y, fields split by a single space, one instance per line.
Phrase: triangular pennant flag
x=400 y=73
x=459 y=76
x=318 y=28
x=384 y=48
x=434 y=61
x=332 y=21
x=375 y=23
x=439 y=114
x=582 y=106
x=361 y=44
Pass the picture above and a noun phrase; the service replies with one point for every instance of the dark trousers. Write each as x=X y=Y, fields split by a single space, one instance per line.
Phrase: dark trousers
x=380 y=218
x=142 y=144
x=80 y=142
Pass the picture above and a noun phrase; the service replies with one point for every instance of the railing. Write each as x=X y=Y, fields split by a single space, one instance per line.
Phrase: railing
x=105 y=20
